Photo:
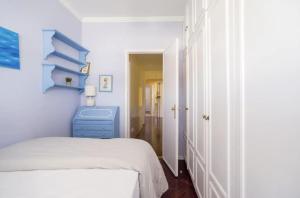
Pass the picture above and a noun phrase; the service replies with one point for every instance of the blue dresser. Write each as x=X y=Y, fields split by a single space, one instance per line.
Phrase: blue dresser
x=96 y=122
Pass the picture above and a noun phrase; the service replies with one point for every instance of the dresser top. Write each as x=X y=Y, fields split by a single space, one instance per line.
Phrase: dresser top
x=96 y=113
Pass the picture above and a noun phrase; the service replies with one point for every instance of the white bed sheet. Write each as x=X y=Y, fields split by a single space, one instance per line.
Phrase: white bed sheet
x=74 y=183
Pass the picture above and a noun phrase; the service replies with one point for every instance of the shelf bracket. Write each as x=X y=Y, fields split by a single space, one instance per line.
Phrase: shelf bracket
x=47 y=77
x=48 y=42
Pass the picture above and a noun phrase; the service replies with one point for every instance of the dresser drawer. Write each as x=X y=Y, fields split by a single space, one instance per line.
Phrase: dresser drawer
x=96 y=122
x=92 y=122
x=93 y=127
x=93 y=134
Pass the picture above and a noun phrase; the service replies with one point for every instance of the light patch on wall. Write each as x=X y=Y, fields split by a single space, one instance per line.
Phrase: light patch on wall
x=140 y=96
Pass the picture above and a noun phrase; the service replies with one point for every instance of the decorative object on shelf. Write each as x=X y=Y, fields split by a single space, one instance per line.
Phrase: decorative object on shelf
x=90 y=93
x=68 y=81
x=96 y=122
x=105 y=83
x=50 y=50
x=9 y=49
x=48 y=81
x=86 y=69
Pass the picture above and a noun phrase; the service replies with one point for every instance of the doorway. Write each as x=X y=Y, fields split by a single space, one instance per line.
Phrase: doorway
x=145 y=98
x=171 y=107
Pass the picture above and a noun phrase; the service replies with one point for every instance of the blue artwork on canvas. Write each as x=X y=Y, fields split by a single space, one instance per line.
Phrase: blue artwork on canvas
x=9 y=49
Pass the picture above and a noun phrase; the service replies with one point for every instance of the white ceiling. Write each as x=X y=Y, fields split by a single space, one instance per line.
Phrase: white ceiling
x=125 y=8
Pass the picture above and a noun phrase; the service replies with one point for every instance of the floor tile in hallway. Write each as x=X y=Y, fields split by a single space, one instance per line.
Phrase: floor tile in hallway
x=152 y=133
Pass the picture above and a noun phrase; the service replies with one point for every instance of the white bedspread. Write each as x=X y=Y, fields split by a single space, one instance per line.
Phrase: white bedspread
x=75 y=183
x=83 y=153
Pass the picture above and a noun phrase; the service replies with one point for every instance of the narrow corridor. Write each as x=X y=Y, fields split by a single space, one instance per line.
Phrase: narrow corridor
x=152 y=133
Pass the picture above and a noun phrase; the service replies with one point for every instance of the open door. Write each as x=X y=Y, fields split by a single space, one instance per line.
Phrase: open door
x=171 y=107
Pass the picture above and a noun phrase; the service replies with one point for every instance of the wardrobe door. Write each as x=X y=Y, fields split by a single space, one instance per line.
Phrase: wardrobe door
x=200 y=93
x=218 y=121
x=191 y=161
x=190 y=17
x=199 y=11
x=191 y=109
x=190 y=93
x=200 y=179
x=186 y=24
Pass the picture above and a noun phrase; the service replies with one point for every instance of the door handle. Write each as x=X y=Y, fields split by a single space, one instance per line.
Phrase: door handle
x=186 y=108
x=205 y=117
x=174 y=110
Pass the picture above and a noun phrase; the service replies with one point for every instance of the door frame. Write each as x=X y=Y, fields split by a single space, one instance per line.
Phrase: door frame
x=127 y=82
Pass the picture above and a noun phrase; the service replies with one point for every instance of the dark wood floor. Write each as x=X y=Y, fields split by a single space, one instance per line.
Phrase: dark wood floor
x=180 y=187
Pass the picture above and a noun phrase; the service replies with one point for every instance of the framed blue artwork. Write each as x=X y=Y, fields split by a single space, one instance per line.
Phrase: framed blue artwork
x=9 y=49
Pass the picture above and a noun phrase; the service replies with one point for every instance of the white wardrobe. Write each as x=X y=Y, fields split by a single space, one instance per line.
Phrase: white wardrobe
x=241 y=71
x=208 y=113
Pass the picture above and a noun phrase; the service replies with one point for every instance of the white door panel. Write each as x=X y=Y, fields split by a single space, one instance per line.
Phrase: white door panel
x=200 y=131
x=187 y=155
x=200 y=179
x=190 y=100
x=199 y=10
x=171 y=106
x=210 y=3
x=213 y=192
x=190 y=16
x=200 y=110
x=218 y=98
x=187 y=23
x=186 y=150
x=208 y=158
x=191 y=160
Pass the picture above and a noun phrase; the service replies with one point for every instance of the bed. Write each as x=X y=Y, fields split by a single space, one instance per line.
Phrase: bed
x=81 y=167
x=93 y=183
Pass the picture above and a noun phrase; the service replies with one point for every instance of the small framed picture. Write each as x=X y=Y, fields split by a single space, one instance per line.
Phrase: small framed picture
x=86 y=69
x=105 y=83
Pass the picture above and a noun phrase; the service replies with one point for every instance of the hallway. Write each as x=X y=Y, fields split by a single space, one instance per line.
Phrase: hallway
x=152 y=133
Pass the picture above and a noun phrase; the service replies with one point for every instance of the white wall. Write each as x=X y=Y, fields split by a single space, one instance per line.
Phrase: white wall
x=272 y=98
x=108 y=43
x=25 y=112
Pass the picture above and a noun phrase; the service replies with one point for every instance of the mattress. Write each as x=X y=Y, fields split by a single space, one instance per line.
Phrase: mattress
x=72 y=183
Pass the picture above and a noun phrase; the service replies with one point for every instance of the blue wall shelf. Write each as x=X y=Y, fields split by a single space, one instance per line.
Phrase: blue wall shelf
x=66 y=57
x=48 y=81
x=50 y=50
